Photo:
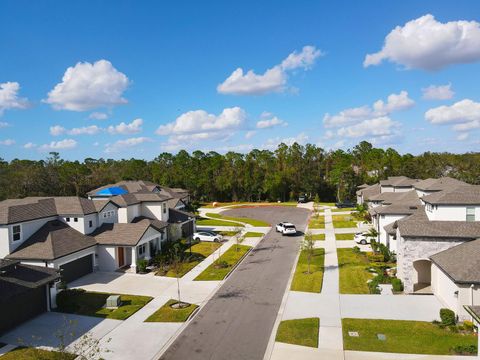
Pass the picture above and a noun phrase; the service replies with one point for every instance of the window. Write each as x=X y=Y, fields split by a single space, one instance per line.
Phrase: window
x=17 y=232
x=90 y=223
x=67 y=219
x=470 y=214
x=75 y=219
x=141 y=250
x=164 y=208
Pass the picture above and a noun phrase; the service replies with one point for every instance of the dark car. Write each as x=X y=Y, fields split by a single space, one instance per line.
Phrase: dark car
x=345 y=204
x=302 y=199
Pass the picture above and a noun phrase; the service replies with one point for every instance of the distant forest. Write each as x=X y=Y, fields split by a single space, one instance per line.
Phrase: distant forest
x=282 y=174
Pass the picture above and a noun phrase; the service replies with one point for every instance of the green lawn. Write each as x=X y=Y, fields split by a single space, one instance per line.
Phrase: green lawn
x=309 y=282
x=227 y=233
x=168 y=314
x=240 y=204
x=325 y=203
x=200 y=251
x=231 y=257
x=299 y=332
x=342 y=209
x=344 y=236
x=353 y=273
x=92 y=304
x=252 y=222
x=28 y=353
x=216 y=222
x=317 y=222
x=318 y=237
x=343 y=221
x=253 y=234
x=416 y=337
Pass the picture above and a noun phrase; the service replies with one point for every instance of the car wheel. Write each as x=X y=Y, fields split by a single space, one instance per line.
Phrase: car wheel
x=197 y=239
x=215 y=240
x=363 y=242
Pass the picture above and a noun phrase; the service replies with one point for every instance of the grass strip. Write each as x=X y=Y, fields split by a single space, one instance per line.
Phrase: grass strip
x=169 y=314
x=302 y=332
x=253 y=222
x=305 y=281
x=222 y=266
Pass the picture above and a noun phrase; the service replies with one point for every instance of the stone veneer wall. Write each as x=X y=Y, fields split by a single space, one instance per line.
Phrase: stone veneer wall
x=412 y=249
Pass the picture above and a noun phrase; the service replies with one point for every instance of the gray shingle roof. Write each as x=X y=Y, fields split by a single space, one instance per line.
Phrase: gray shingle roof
x=474 y=311
x=53 y=240
x=398 y=181
x=461 y=263
x=443 y=183
x=390 y=229
x=122 y=234
x=395 y=197
x=178 y=216
x=460 y=195
x=413 y=227
x=369 y=191
x=31 y=208
x=137 y=198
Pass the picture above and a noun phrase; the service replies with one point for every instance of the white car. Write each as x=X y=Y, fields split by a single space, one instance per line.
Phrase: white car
x=207 y=236
x=361 y=238
x=286 y=228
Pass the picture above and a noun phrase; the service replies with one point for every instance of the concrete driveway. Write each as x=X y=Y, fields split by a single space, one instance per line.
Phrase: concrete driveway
x=237 y=322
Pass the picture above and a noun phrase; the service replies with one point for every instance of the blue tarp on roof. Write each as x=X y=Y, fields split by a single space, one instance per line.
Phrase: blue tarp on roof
x=112 y=191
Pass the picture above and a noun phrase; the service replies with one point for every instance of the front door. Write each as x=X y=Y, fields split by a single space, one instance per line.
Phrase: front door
x=120 y=256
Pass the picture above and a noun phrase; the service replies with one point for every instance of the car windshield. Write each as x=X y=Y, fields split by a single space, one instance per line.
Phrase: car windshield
x=289 y=227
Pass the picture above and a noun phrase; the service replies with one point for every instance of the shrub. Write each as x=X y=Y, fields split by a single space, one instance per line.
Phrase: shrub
x=221 y=264
x=447 y=317
x=356 y=250
x=66 y=299
x=397 y=285
x=464 y=350
x=375 y=257
x=468 y=325
x=142 y=266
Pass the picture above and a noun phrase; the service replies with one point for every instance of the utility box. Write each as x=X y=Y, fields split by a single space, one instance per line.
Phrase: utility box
x=113 y=302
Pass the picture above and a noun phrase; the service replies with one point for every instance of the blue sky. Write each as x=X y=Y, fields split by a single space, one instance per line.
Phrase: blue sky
x=147 y=77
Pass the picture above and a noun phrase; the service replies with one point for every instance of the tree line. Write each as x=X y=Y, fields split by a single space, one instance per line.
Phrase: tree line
x=259 y=175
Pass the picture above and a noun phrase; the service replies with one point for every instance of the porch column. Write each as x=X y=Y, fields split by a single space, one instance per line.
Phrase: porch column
x=134 y=257
x=147 y=255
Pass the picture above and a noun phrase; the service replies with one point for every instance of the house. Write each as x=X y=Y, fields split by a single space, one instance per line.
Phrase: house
x=430 y=186
x=115 y=228
x=397 y=184
x=455 y=277
x=25 y=291
x=365 y=192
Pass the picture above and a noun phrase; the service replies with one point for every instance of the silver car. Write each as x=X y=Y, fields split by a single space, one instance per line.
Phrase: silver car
x=207 y=236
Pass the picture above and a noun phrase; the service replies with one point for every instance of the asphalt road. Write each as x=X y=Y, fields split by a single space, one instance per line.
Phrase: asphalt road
x=237 y=322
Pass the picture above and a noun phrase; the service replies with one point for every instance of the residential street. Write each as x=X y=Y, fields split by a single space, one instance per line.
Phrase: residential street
x=237 y=322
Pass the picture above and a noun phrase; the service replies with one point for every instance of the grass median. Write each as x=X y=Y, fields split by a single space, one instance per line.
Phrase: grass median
x=253 y=222
x=251 y=234
x=199 y=251
x=169 y=314
x=317 y=222
x=31 y=353
x=222 y=266
x=309 y=281
x=344 y=236
x=353 y=273
x=406 y=337
x=216 y=222
x=81 y=302
x=302 y=332
x=344 y=221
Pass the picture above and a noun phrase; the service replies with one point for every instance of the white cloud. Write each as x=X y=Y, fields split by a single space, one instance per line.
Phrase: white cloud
x=9 y=98
x=250 y=134
x=199 y=121
x=395 y=102
x=273 y=80
x=65 y=144
x=4 y=124
x=87 y=86
x=272 y=144
x=98 y=116
x=127 y=143
x=58 y=130
x=427 y=44
x=29 y=145
x=462 y=136
x=268 y=120
x=329 y=135
x=125 y=129
x=7 y=142
x=464 y=111
x=440 y=92
x=381 y=126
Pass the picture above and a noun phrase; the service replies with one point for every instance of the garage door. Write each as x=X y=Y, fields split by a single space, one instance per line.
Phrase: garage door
x=17 y=309
x=77 y=268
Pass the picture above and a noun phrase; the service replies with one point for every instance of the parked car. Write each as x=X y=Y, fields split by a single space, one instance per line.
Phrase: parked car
x=207 y=236
x=345 y=204
x=361 y=238
x=286 y=228
x=302 y=199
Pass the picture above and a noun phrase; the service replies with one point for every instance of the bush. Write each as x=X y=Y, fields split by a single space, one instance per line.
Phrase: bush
x=65 y=299
x=468 y=325
x=142 y=266
x=465 y=350
x=221 y=264
x=447 y=317
x=375 y=257
x=356 y=250
x=397 y=285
